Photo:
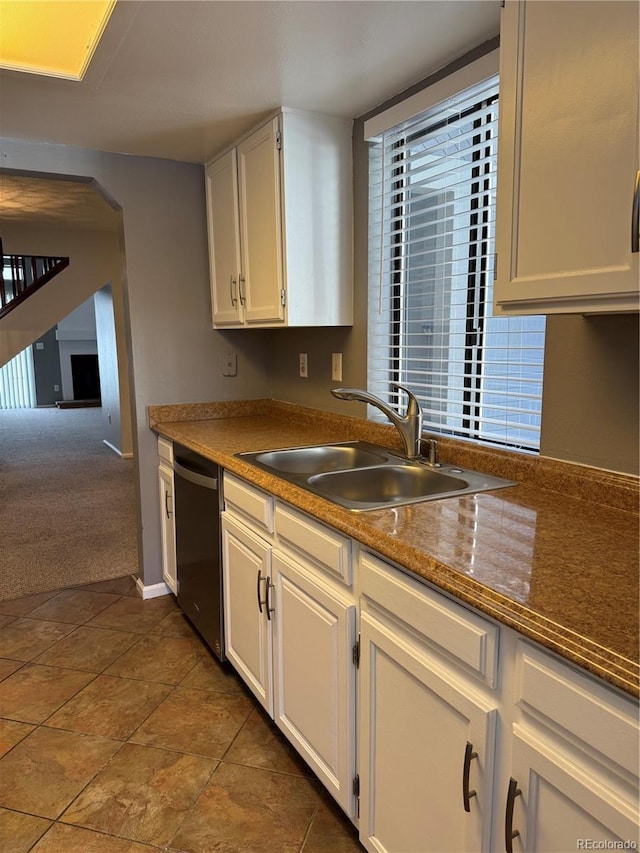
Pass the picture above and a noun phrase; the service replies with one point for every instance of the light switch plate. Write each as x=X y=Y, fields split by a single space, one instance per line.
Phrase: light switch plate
x=304 y=370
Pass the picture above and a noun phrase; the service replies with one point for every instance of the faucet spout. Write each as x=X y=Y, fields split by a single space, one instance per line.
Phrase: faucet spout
x=408 y=425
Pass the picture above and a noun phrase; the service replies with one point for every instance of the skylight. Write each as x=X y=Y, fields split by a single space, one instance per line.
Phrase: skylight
x=56 y=38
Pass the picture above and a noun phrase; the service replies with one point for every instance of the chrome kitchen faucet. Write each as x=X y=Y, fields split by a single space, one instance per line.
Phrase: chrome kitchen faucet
x=408 y=425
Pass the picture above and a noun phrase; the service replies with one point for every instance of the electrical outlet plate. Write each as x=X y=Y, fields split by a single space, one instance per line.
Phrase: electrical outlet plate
x=336 y=366
x=302 y=361
x=229 y=364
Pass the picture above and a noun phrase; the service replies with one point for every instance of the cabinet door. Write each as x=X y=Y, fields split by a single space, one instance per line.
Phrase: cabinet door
x=567 y=157
x=415 y=724
x=224 y=240
x=261 y=226
x=314 y=674
x=167 y=528
x=560 y=804
x=246 y=571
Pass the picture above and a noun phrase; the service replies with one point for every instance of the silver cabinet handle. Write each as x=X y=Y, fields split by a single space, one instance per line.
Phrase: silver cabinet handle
x=270 y=609
x=509 y=832
x=469 y=755
x=232 y=290
x=243 y=297
x=258 y=582
x=635 y=216
x=167 y=508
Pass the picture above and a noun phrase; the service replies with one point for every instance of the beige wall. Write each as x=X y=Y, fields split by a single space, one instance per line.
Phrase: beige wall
x=175 y=354
x=590 y=403
x=95 y=260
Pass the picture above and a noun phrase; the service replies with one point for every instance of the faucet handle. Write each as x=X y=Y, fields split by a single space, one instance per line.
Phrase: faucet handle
x=413 y=406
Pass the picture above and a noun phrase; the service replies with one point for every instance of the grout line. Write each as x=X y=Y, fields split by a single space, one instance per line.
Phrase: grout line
x=218 y=763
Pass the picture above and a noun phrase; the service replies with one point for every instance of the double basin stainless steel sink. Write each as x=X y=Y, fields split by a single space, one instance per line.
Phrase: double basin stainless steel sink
x=362 y=476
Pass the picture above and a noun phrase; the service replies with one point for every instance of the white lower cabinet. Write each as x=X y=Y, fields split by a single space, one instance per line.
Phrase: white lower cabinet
x=290 y=633
x=314 y=630
x=550 y=753
x=246 y=567
x=573 y=773
x=167 y=515
x=554 y=805
x=426 y=740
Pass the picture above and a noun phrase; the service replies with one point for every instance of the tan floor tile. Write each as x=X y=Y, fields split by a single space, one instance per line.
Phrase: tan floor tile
x=117 y=586
x=19 y=831
x=34 y=692
x=74 y=605
x=9 y=666
x=89 y=649
x=158 y=658
x=22 y=606
x=73 y=839
x=134 y=614
x=243 y=808
x=200 y=721
x=11 y=733
x=142 y=794
x=46 y=770
x=331 y=831
x=6 y=620
x=209 y=674
x=260 y=744
x=25 y=639
x=112 y=707
x=176 y=624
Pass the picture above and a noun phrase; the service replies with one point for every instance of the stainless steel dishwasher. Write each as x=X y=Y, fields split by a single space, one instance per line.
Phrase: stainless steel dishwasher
x=198 y=503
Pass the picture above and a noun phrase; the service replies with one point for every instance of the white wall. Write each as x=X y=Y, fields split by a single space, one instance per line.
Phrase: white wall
x=76 y=336
x=115 y=403
x=174 y=351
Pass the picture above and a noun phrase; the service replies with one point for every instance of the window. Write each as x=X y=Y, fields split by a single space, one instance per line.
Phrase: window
x=432 y=190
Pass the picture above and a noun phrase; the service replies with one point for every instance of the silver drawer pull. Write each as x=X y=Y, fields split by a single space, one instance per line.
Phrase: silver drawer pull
x=635 y=216
x=467 y=794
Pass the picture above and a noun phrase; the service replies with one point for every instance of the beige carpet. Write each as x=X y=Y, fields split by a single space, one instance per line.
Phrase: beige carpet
x=67 y=502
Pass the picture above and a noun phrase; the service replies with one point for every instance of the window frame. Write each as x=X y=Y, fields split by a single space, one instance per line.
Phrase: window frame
x=477 y=420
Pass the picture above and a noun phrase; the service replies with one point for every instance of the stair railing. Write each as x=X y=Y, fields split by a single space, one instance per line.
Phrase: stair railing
x=23 y=275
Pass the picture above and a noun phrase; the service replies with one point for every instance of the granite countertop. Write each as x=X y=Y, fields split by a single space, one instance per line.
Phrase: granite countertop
x=556 y=558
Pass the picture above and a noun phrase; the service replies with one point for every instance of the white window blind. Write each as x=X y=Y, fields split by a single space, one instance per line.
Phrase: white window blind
x=17 y=382
x=432 y=188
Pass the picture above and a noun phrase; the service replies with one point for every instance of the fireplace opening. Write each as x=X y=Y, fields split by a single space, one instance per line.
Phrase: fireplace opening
x=85 y=377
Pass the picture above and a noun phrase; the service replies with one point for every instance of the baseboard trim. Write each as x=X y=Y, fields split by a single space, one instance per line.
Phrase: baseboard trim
x=116 y=450
x=154 y=590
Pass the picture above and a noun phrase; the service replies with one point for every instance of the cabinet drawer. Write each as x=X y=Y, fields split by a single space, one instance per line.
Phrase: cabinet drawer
x=326 y=548
x=249 y=501
x=452 y=629
x=599 y=718
x=165 y=450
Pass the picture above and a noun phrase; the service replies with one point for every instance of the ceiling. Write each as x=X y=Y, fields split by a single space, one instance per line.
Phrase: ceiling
x=181 y=79
x=55 y=203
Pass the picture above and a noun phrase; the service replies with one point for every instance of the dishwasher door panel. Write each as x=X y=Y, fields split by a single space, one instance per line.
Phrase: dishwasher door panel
x=198 y=547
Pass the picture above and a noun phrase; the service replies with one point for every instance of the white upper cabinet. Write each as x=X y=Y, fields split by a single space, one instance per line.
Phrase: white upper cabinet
x=224 y=239
x=279 y=208
x=262 y=286
x=567 y=158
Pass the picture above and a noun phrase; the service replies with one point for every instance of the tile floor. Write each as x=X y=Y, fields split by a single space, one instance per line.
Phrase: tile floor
x=120 y=733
